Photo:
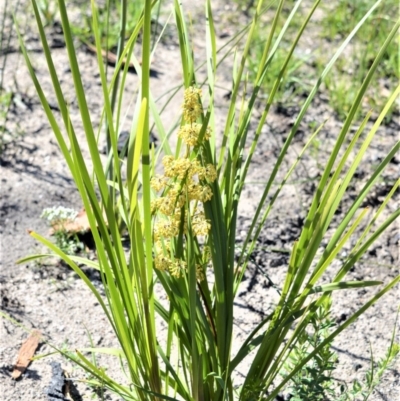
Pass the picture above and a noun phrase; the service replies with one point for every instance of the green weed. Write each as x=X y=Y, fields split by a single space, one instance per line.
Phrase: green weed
x=362 y=390
x=65 y=240
x=314 y=381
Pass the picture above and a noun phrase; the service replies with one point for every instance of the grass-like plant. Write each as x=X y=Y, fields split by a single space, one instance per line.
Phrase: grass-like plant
x=362 y=390
x=342 y=86
x=110 y=14
x=182 y=224
x=6 y=94
x=335 y=22
x=294 y=80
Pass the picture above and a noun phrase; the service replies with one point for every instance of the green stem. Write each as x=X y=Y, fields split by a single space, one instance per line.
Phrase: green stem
x=121 y=42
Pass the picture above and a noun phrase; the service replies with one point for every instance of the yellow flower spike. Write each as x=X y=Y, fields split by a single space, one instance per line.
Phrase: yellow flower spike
x=155 y=204
x=186 y=181
x=168 y=165
x=163 y=246
x=177 y=196
x=192 y=94
x=200 y=276
x=181 y=168
x=194 y=191
x=189 y=133
x=192 y=109
x=205 y=194
x=211 y=173
x=167 y=206
x=162 y=262
x=195 y=168
x=176 y=268
x=158 y=182
x=166 y=229
x=200 y=225
x=208 y=172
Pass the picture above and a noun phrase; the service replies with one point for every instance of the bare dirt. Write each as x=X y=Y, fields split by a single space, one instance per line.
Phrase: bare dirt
x=48 y=296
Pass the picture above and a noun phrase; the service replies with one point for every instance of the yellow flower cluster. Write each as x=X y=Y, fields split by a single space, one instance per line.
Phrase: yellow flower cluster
x=190 y=133
x=193 y=184
x=184 y=180
x=192 y=109
x=173 y=267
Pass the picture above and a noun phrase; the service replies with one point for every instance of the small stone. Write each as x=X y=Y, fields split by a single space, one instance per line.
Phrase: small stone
x=280 y=261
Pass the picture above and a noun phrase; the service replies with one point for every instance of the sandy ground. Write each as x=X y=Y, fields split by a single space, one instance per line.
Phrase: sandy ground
x=49 y=297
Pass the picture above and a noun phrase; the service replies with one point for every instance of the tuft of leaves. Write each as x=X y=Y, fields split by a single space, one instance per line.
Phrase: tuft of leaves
x=313 y=382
